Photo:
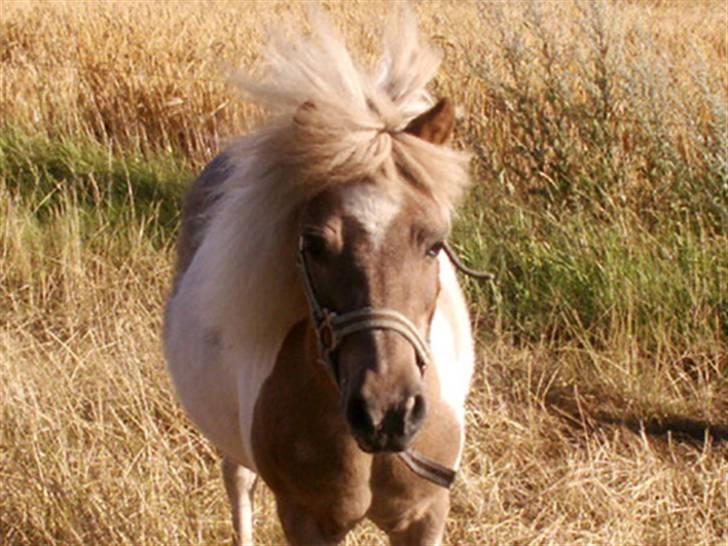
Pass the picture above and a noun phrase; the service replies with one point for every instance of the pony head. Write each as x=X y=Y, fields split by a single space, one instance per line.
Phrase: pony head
x=355 y=164
x=369 y=253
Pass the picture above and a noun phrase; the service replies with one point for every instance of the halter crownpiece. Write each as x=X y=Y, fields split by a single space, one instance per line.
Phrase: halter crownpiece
x=332 y=327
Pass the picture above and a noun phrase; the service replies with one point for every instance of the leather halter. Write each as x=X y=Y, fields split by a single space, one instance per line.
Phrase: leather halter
x=332 y=327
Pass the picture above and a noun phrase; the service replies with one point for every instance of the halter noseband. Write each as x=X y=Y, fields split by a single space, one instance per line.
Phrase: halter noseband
x=332 y=328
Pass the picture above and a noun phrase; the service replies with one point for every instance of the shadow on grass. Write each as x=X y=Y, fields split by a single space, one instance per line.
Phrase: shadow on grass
x=675 y=427
x=42 y=173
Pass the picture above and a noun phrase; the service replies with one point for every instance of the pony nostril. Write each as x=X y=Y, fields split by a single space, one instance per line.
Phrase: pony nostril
x=416 y=409
x=357 y=413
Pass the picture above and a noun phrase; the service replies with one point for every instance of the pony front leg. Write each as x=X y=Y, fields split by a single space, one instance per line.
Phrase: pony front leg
x=240 y=487
x=303 y=528
x=426 y=530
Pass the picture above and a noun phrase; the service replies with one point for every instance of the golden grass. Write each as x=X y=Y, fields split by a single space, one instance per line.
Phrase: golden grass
x=94 y=448
x=149 y=75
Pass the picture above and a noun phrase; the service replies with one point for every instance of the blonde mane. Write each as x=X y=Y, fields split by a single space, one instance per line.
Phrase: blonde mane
x=331 y=122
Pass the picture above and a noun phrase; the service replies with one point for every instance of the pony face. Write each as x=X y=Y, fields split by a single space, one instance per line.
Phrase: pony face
x=375 y=246
x=369 y=252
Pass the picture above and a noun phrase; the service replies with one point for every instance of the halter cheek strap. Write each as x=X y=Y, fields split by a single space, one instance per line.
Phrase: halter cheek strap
x=332 y=328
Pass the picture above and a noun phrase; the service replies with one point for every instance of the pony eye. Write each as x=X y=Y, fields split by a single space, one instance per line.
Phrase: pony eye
x=313 y=244
x=435 y=249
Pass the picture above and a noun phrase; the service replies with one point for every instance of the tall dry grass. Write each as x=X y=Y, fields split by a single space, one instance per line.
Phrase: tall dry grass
x=598 y=415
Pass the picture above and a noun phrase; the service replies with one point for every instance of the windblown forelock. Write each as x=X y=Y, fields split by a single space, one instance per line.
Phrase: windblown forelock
x=345 y=123
x=332 y=123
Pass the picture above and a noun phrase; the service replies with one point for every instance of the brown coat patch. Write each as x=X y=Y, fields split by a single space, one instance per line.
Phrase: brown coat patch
x=307 y=456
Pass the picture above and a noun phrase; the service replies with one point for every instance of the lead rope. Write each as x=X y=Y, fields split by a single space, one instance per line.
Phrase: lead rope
x=460 y=266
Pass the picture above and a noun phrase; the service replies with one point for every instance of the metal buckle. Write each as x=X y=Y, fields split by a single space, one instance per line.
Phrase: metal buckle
x=327 y=332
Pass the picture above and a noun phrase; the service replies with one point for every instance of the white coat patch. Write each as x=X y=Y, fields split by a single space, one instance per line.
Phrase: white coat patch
x=451 y=343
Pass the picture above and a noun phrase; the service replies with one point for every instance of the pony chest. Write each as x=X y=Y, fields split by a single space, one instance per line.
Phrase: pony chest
x=300 y=439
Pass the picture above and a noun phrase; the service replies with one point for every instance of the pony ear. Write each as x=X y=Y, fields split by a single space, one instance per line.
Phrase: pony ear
x=303 y=111
x=435 y=125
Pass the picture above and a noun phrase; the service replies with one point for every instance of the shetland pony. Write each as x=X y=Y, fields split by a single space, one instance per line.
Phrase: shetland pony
x=316 y=334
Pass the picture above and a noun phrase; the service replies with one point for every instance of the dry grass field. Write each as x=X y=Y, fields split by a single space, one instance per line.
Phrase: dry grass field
x=599 y=133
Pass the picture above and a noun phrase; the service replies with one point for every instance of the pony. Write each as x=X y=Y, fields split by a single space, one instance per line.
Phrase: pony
x=316 y=333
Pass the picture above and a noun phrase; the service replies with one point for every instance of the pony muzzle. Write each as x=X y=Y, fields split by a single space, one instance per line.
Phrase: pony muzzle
x=384 y=401
x=390 y=429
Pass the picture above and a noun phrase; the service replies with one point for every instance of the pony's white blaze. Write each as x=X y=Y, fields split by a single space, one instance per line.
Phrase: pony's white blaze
x=373 y=208
x=452 y=344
